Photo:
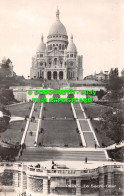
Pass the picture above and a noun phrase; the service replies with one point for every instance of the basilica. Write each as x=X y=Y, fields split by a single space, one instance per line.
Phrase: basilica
x=57 y=59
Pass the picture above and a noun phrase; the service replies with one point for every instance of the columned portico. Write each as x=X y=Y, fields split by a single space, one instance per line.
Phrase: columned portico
x=58 y=74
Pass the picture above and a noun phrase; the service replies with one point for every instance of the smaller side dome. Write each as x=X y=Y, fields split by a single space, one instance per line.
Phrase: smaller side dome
x=71 y=46
x=42 y=46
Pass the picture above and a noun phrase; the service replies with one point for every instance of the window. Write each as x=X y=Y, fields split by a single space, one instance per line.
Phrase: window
x=71 y=55
x=55 y=61
x=67 y=182
x=62 y=47
x=37 y=55
x=41 y=55
x=50 y=47
x=59 y=46
x=71 y=63
x=73 y=182
x=41 y=63
x=50 y=61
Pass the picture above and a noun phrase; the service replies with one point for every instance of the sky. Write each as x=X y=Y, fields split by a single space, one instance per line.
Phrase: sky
x=97 y=27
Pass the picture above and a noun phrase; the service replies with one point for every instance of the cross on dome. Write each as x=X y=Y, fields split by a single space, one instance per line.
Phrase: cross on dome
x=42 y=38
x=57 y=14
x=71 y=38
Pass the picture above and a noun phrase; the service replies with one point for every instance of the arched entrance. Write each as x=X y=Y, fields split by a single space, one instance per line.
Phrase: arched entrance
x=61 y=75
x=49 y=75
x=70 y=96
x=42 y=96
x=55 y=75
x=56 y=96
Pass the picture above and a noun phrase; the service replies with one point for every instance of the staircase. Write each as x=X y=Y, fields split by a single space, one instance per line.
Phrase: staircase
x=44 y=154
x=31 y=133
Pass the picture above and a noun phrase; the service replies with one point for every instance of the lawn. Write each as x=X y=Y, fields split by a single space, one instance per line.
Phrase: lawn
x=13 y=134
x=58 y=110
x=93 y=110
x=100 y=134
x=20 y=109
x=117 y=105
x=59 y=133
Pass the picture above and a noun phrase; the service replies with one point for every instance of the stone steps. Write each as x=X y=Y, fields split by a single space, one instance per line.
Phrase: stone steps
x=89 y=138
x=38 y=154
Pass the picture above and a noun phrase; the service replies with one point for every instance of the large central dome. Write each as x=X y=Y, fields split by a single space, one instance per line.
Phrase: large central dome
x=57 y=27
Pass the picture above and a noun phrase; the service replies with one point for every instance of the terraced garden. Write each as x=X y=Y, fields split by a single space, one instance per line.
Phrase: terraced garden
x=58 y=126
x=20 y=109
x=13 y=133
x=58 y=110
x=93 y=112
x=59 y=133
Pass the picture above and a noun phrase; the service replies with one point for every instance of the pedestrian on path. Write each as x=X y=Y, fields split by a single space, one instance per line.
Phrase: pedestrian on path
x=95 y=145
x=85 y=159
x=21 y=152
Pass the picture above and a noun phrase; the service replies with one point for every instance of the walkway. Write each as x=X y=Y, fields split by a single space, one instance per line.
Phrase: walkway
x=44 y=154
x=85 y=126
x=32 y=128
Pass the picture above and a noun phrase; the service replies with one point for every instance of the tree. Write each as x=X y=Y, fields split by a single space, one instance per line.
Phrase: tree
x=112 y=124
x=100 y=93
x=114 y=80
x=122 y=73
x=114 y=84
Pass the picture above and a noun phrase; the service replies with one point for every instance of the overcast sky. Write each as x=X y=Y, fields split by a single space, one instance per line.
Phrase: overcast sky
x=96 y=25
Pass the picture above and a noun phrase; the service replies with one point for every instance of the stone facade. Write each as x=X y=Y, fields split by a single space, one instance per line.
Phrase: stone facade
x=57 y=59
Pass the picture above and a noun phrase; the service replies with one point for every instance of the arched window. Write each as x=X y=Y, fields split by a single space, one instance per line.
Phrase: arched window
x=71 y=63
x=61 y=75
x=59 y=46
x=63 y=47
x=55 y=61
x=41 y=55
x=51 y=47
x=55 y=75
x=49 y=75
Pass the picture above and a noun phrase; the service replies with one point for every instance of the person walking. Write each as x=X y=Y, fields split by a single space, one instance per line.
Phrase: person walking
x=85 y=159
x=95 y=145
